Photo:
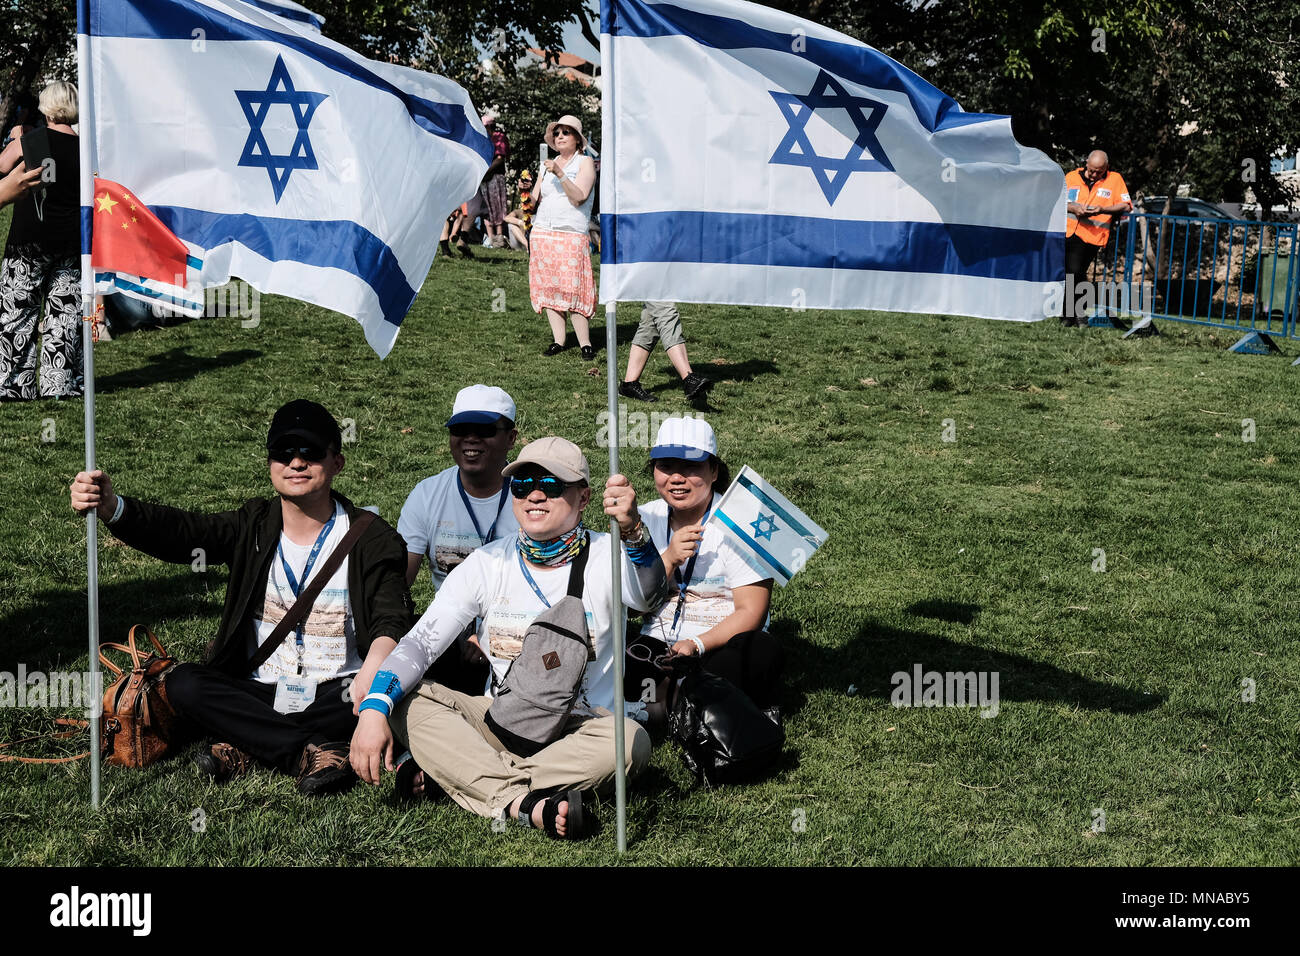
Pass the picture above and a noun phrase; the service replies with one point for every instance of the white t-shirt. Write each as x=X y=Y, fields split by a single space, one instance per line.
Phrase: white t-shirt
x=719 y=568
x=434 y=522
x=490 y=586
x=329 y=643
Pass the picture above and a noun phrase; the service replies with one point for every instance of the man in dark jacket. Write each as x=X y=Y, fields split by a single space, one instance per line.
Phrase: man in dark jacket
x=296 y=710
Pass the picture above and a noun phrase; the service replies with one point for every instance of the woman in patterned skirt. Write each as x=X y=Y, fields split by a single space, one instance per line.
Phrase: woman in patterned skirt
x=41 y=272
x=559 y=267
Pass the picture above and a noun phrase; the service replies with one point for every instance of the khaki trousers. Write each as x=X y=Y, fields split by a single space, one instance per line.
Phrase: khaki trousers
x=445 y=732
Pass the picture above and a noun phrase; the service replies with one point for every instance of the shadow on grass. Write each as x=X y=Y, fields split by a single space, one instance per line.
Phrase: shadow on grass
x=953 y=611
x=175 y=365
x=871 y=657
x=50 y=629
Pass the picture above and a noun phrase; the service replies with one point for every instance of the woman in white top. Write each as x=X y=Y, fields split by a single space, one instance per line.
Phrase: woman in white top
x=559 y=264
x=718 y=604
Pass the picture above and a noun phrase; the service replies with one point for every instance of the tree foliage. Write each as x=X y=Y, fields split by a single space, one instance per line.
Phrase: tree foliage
x=38 y=41
x=531 y=98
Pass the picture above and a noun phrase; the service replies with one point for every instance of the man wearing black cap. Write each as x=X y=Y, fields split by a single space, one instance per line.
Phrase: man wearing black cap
x=294 y=710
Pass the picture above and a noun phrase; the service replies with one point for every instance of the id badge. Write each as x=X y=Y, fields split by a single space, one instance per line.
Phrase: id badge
x=294 y=694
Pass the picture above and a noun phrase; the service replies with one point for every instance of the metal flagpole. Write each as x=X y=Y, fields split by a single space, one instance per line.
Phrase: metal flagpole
x=617 y=614
x=86 y=149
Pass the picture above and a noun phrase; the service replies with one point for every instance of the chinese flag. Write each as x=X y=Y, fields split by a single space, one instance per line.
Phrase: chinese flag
x=128 y=238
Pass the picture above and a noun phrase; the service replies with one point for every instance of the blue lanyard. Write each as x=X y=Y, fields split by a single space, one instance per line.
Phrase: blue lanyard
x=529 y=578
x=492 y=531
x=294 y=585
x=684 y=582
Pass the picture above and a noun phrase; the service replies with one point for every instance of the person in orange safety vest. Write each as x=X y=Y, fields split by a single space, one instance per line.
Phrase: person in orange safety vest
x=1095 y=195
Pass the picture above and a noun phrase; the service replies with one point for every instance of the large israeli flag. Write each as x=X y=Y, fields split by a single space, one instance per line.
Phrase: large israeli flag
x=280 y=156
x=753 y=157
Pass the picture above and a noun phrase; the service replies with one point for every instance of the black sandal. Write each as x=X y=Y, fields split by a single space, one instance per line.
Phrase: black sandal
x=404 y=786
x=575 y=825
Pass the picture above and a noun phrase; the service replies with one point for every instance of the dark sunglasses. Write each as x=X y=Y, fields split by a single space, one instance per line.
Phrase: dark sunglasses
x=551 y=486
x=477 y=429
x=285 y=454
x=564 y=131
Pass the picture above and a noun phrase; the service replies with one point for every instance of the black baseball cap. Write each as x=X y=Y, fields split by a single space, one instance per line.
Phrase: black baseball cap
x=304 y=419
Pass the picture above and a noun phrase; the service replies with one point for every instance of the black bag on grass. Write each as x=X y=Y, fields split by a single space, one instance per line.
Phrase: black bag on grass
x=725 y=737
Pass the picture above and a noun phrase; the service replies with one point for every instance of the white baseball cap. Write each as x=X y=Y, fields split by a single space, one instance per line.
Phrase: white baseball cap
x=482 y=404
x=686 y=437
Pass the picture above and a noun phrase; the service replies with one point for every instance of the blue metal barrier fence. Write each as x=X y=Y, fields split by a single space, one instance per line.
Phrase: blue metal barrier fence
x=1229 y=273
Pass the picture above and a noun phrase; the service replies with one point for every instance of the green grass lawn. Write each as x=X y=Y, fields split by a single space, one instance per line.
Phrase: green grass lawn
x=1121 y=690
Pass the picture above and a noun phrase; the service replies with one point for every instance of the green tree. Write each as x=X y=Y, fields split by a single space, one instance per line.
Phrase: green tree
x=39 y=44
x=529 y=99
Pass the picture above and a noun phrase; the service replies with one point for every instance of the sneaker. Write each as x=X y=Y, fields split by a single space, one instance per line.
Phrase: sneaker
x=637 y=391
x=555 y=348
x=223 y=761
x=694 y=384
x=325 y=769
x=588 y=353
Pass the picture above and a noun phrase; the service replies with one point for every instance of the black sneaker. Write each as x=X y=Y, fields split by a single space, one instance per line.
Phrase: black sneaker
x=325 y=769
x=695 y=384
x=588 y=353
x=555 y=348
x=635 y=390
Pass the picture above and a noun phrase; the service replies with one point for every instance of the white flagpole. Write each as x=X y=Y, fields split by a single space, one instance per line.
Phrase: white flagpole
x=86 y=148
x=617 y=614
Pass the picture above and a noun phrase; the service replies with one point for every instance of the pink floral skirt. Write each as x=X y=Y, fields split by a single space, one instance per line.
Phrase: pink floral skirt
x=559 y=272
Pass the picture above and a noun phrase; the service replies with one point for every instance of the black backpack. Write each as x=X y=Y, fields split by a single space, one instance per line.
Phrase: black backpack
x=536 y=695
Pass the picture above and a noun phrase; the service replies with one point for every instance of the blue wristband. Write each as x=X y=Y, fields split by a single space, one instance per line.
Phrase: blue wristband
x=642 y=555
x=375 y=703
x=386 y=683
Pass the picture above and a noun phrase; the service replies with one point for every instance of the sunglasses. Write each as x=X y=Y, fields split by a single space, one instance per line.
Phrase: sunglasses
x=564 y=131
x=285 y=454
x=551 y=486
x=477 y=429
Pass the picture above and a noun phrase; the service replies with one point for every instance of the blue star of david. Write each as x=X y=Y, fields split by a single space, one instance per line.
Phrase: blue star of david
x=864 y=155
x=763 y=526
x=257 y=103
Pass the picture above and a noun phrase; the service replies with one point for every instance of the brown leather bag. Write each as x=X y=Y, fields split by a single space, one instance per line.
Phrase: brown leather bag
x=139 y=725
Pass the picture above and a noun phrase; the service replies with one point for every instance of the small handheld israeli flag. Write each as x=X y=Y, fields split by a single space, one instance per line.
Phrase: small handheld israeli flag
x=766 y=527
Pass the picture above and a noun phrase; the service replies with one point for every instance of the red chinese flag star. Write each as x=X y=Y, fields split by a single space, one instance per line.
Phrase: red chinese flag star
x=128 y=238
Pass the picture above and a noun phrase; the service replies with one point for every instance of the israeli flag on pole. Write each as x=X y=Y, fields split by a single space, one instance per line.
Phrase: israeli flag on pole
x=756 y=158
x=278 y=155
x=766 y=528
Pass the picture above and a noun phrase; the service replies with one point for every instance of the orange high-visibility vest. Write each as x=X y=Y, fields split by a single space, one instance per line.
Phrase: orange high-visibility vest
x=1109 y=190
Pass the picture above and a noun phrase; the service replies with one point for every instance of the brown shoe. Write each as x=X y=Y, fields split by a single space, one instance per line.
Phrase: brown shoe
x=223 y=761
x=325 y=769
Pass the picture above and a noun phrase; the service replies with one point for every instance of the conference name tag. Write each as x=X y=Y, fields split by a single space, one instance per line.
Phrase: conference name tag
x=1103 y=193
x=294 y=694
